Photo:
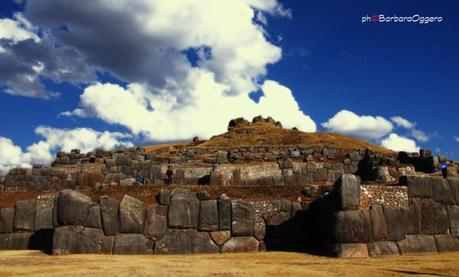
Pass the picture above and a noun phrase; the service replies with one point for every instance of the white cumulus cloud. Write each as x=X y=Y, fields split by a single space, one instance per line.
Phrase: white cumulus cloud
x=399 y=143
x=17 y=29
x=402 y=122
x=362 y=126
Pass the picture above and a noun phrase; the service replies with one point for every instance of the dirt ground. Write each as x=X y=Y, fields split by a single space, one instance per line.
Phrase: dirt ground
x=35 y=263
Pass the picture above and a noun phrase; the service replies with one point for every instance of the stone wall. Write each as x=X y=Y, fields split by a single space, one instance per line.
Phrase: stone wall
x=396 y=196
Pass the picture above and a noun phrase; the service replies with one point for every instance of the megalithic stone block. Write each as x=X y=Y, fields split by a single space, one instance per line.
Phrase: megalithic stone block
x=183 y=209
x=132 y=215
x=109 y=212
x=24 y=217
x=347 y=191
x=73 y=207
x=242 y=218
x=6 y=220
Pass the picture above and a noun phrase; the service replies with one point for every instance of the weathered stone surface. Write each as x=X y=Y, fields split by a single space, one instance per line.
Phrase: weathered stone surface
x=44 y=218
x=454 y=185
x=419 y=187
x=208 y=216
x=176 y=241
x=94 y=219
x=282 y=215
x=109 y=212
x=203 y=195
x=417 y=244
x=66 y=240
x=156 y=222
x=6 y=220
x=412 y=216
x=350 y=250
x=242 y=218
x=220 y=237
x=382 y=248
x=442 y=191
x=183 y=209
x=347 y=190
x=131 y=244
x=240 y=244
x=73 y=207
x=453 y=216
x=378 y=223
x=91 y=241
x=395 y=225
x=164 y=197
x=434 y=218
x=446 y=243
x=224 y=213
x=107 y=244
x=201 y=242
x=14 y=241
x=132 y=215
x=350 y=227
x=25 y=215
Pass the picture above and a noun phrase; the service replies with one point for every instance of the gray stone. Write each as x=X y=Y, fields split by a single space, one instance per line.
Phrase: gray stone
x=25 y=215
x=419 y=187
x=453 y=216
x=201 y=242
x=220 y=237
x=73 y=207
x=224 y=213
x=176 y=241
x=44 y=218
x=94 y=219
x=183 y=209
x=6 y=220
x=454 y=185
x=417 y=244
x=15 y=241
x=442 y=191
x=382 y=248
x=107 y=244
x=242 y=218
x=351 y=227
x=208 y=216
x=164 y=197
x=67 y=239
x=132 y=244
x=395 y=225
x=240 y=244
x=434 y=218
x=132 y=215
x=155 y=222
x=109 y=212
x=412 y=216
x=446 y=243
x=203 y=195
x=347 y=190
x=350 y=250
x=378 y=223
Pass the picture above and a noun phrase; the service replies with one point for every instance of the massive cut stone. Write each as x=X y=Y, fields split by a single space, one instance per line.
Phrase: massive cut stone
x=91 y=241
x=347 y=190
x=412 y=216
x=44 y=218
x=25 y=215
x=6 y=220
x=242 y=218
x=395 y=225
x=350 y=250
x=442 y=191
x=176 y=241
x=382 y=248
x=454 y=185
x=241 y=244
x=201 y=242
x=446 y=243
x=417 y=244
x=378 y=223
x=107 y=244
x=109 y=212
x=155 y=222
x=67 y=239
x=419 y=187
x=73 y=207
x=208 y=216
x=224 y=213
x=434 y=218
x=15 y=241
x=220 y=237
x=132 y=215
x=94 y=218
x=453 y=216
x=351 y=226
x=131 y=244
x=164 y=197
x=183 y=209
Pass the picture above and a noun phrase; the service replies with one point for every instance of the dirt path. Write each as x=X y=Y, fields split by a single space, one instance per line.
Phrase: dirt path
x=34 y=263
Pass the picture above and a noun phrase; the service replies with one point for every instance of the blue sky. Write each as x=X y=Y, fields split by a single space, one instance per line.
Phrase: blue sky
x=330 y=62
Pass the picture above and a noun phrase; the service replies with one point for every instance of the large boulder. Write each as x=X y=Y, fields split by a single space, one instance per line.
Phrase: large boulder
x=183 y=209
x=132 y=215
x=224 y=213
x=185 y=241
x=419 y=187
x=446 y=243
x=382 y=248
x=453 y=216
x=163 y=197
x=395 y=225
x=412 y=216
x=442 y=191
x=347 y=191
x=208 y=216
x=241 y=244
x=15 y=241
x=132 y=244
x=94 y=219
x=350 y=250
x=6 y=220
x=44 y=218
x=220 y=237
x=351 y=227
x=242 y=218
x=77 y=240
x=109 y=212
x=24 y=217
x=201 y=242
x=73 y=207
x=417 y=244
x=378 y=223
x=454 y=185
x=434 y=217
x=155 y=222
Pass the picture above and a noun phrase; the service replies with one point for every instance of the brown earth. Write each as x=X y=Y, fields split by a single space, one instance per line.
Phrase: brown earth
x=35 y=263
